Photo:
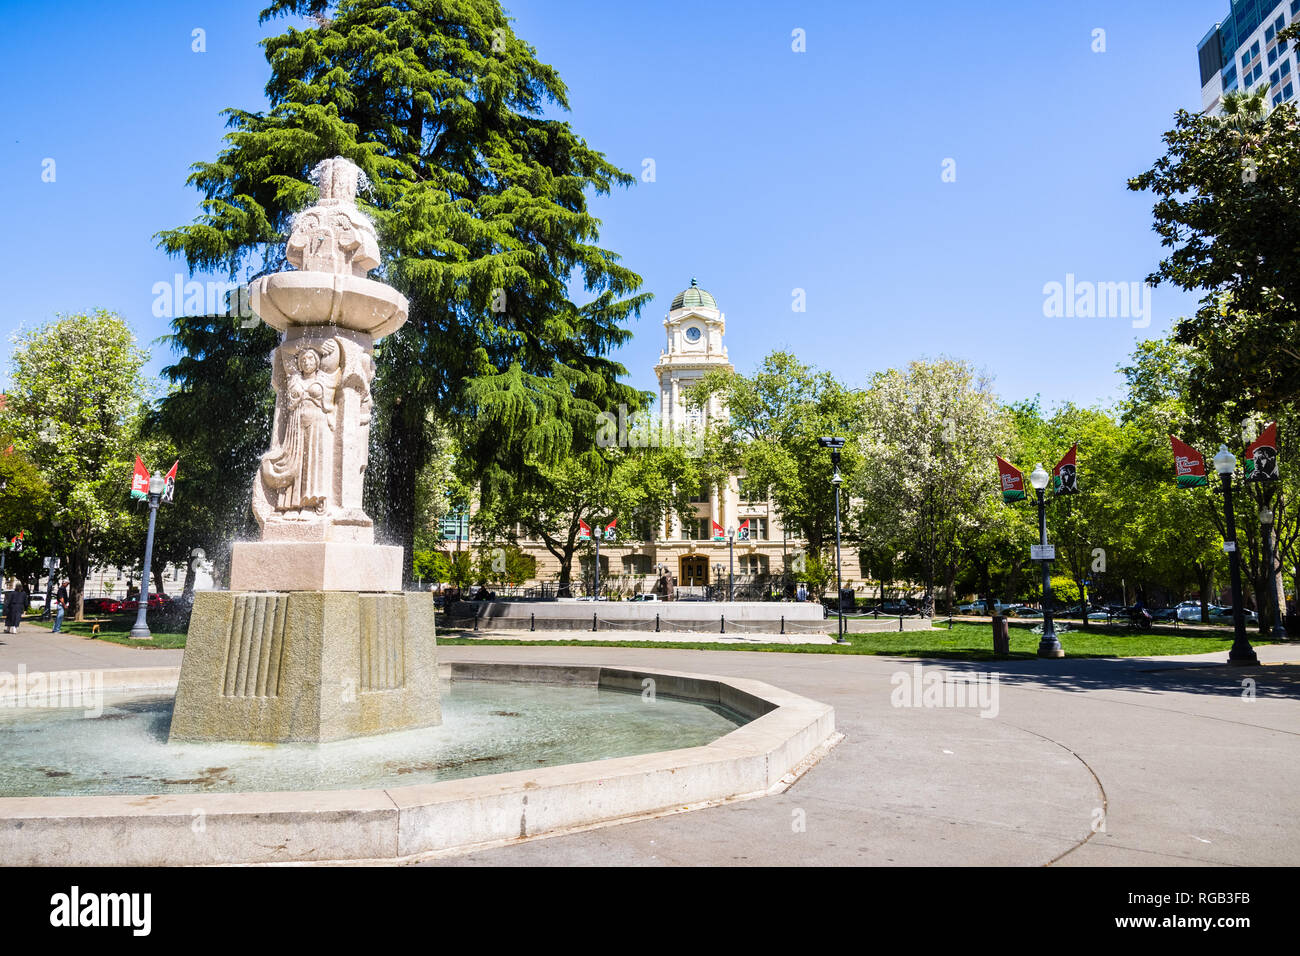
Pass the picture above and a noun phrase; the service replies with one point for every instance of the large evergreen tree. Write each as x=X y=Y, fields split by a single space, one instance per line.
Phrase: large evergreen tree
x=480 y=198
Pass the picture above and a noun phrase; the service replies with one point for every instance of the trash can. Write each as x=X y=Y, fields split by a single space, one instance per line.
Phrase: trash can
x=1001 y=636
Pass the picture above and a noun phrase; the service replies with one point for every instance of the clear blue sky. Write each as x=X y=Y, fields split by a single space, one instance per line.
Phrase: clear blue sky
x=775 y=170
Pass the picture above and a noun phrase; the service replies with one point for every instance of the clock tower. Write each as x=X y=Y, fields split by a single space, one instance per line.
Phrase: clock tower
x=695 y=327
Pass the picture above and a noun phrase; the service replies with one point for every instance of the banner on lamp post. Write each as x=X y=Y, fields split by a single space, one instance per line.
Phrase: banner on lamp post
x=1011 y=480
x=1189 y=465
x=1065 y=476
x=140 y=480
x=1261 y=456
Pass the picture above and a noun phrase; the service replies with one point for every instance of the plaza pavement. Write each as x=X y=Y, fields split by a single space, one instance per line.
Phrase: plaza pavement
x=1162 y=761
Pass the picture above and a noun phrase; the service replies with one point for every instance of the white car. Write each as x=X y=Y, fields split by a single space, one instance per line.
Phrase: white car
x=1189 y=611
x=1223 y=615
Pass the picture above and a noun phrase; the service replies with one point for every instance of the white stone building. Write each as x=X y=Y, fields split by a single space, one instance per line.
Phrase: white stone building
x=695 y=328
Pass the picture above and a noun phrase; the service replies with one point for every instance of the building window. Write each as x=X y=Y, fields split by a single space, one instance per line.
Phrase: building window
x=1272 y=78
x=701 y=497
x=758 y=529
x=1286 y=67
x=700 y=529
x=1277 y=99
x=1287 y=91
x=1272 y=56
x=1269 y=34
x=753 y=493
x=753 y=564
x=636 y=564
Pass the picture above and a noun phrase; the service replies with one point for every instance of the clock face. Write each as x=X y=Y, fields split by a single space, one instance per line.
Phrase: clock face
x=693 y=334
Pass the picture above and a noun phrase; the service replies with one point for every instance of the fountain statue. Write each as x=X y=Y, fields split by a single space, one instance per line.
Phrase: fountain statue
x=315 y=639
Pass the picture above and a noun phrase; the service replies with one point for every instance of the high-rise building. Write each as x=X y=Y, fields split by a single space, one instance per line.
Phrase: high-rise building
x=1242 y=52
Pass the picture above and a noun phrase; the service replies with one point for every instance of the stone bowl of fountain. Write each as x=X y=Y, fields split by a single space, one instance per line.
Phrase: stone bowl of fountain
x=306 y=720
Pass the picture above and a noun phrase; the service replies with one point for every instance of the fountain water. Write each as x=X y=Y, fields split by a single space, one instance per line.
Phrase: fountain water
x=315 y=641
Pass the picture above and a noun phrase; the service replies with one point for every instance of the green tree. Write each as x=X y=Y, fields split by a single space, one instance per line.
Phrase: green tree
x=638 y=487
x=1226 y=209
x=770 y=437
x=927 y=475
x=78 y=395
x=480 y=196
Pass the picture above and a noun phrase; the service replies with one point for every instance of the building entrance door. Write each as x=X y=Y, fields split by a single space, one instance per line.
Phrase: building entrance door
x=694 y=570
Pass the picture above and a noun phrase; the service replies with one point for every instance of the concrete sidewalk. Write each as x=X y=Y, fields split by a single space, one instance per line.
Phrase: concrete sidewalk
x=1159 y=761
x=1087 y=762
x=39 y=650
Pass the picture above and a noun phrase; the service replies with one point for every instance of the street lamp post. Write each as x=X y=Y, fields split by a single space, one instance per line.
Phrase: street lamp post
x=4 y=551
x=1225 y=463
x=836 y=445
x=731 y=562
x=1266 y=523
x=140 y=630
x=1049 y=646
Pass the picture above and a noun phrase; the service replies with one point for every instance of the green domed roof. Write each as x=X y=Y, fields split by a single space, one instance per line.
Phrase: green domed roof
x=693 y=298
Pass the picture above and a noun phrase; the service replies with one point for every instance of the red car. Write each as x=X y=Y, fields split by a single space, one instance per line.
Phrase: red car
x=156 y=601
x=103 y=605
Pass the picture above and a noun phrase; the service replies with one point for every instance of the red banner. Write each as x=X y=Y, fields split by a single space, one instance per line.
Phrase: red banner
x=140 y=480
x=1065 y=476
x=1261 y=456
x=1189 y=465
x=1013 y=482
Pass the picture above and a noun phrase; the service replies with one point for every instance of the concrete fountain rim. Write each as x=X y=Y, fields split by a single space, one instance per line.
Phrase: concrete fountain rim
x=785 y=734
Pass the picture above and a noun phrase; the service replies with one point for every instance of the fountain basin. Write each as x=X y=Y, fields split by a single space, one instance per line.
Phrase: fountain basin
x=290 y=299
x=402 y=822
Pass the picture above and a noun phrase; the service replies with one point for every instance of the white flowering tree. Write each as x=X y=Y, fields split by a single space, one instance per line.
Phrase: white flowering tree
x=927 y=478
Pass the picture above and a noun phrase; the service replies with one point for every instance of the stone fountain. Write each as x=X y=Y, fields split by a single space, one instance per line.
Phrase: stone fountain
x=315 y=640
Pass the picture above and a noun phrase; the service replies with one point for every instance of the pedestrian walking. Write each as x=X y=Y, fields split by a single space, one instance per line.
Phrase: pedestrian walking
x=15 y=604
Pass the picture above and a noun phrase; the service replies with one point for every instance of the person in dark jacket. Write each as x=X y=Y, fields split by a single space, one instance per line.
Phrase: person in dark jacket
x=15 y=605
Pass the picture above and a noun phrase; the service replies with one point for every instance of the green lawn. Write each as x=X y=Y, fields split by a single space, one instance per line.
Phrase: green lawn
x=965 y=641
x=115 y=630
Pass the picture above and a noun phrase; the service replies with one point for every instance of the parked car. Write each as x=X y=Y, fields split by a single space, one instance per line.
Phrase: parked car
x=103 y=605
x=1164 y=614
x=646 y=596
x=156 y=602
x=1223 y=615
x=897 y=608
x=975 y=607
x=1025 y=612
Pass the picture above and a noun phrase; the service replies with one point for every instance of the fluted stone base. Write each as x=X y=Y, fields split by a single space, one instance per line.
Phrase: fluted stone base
x=308 y=666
